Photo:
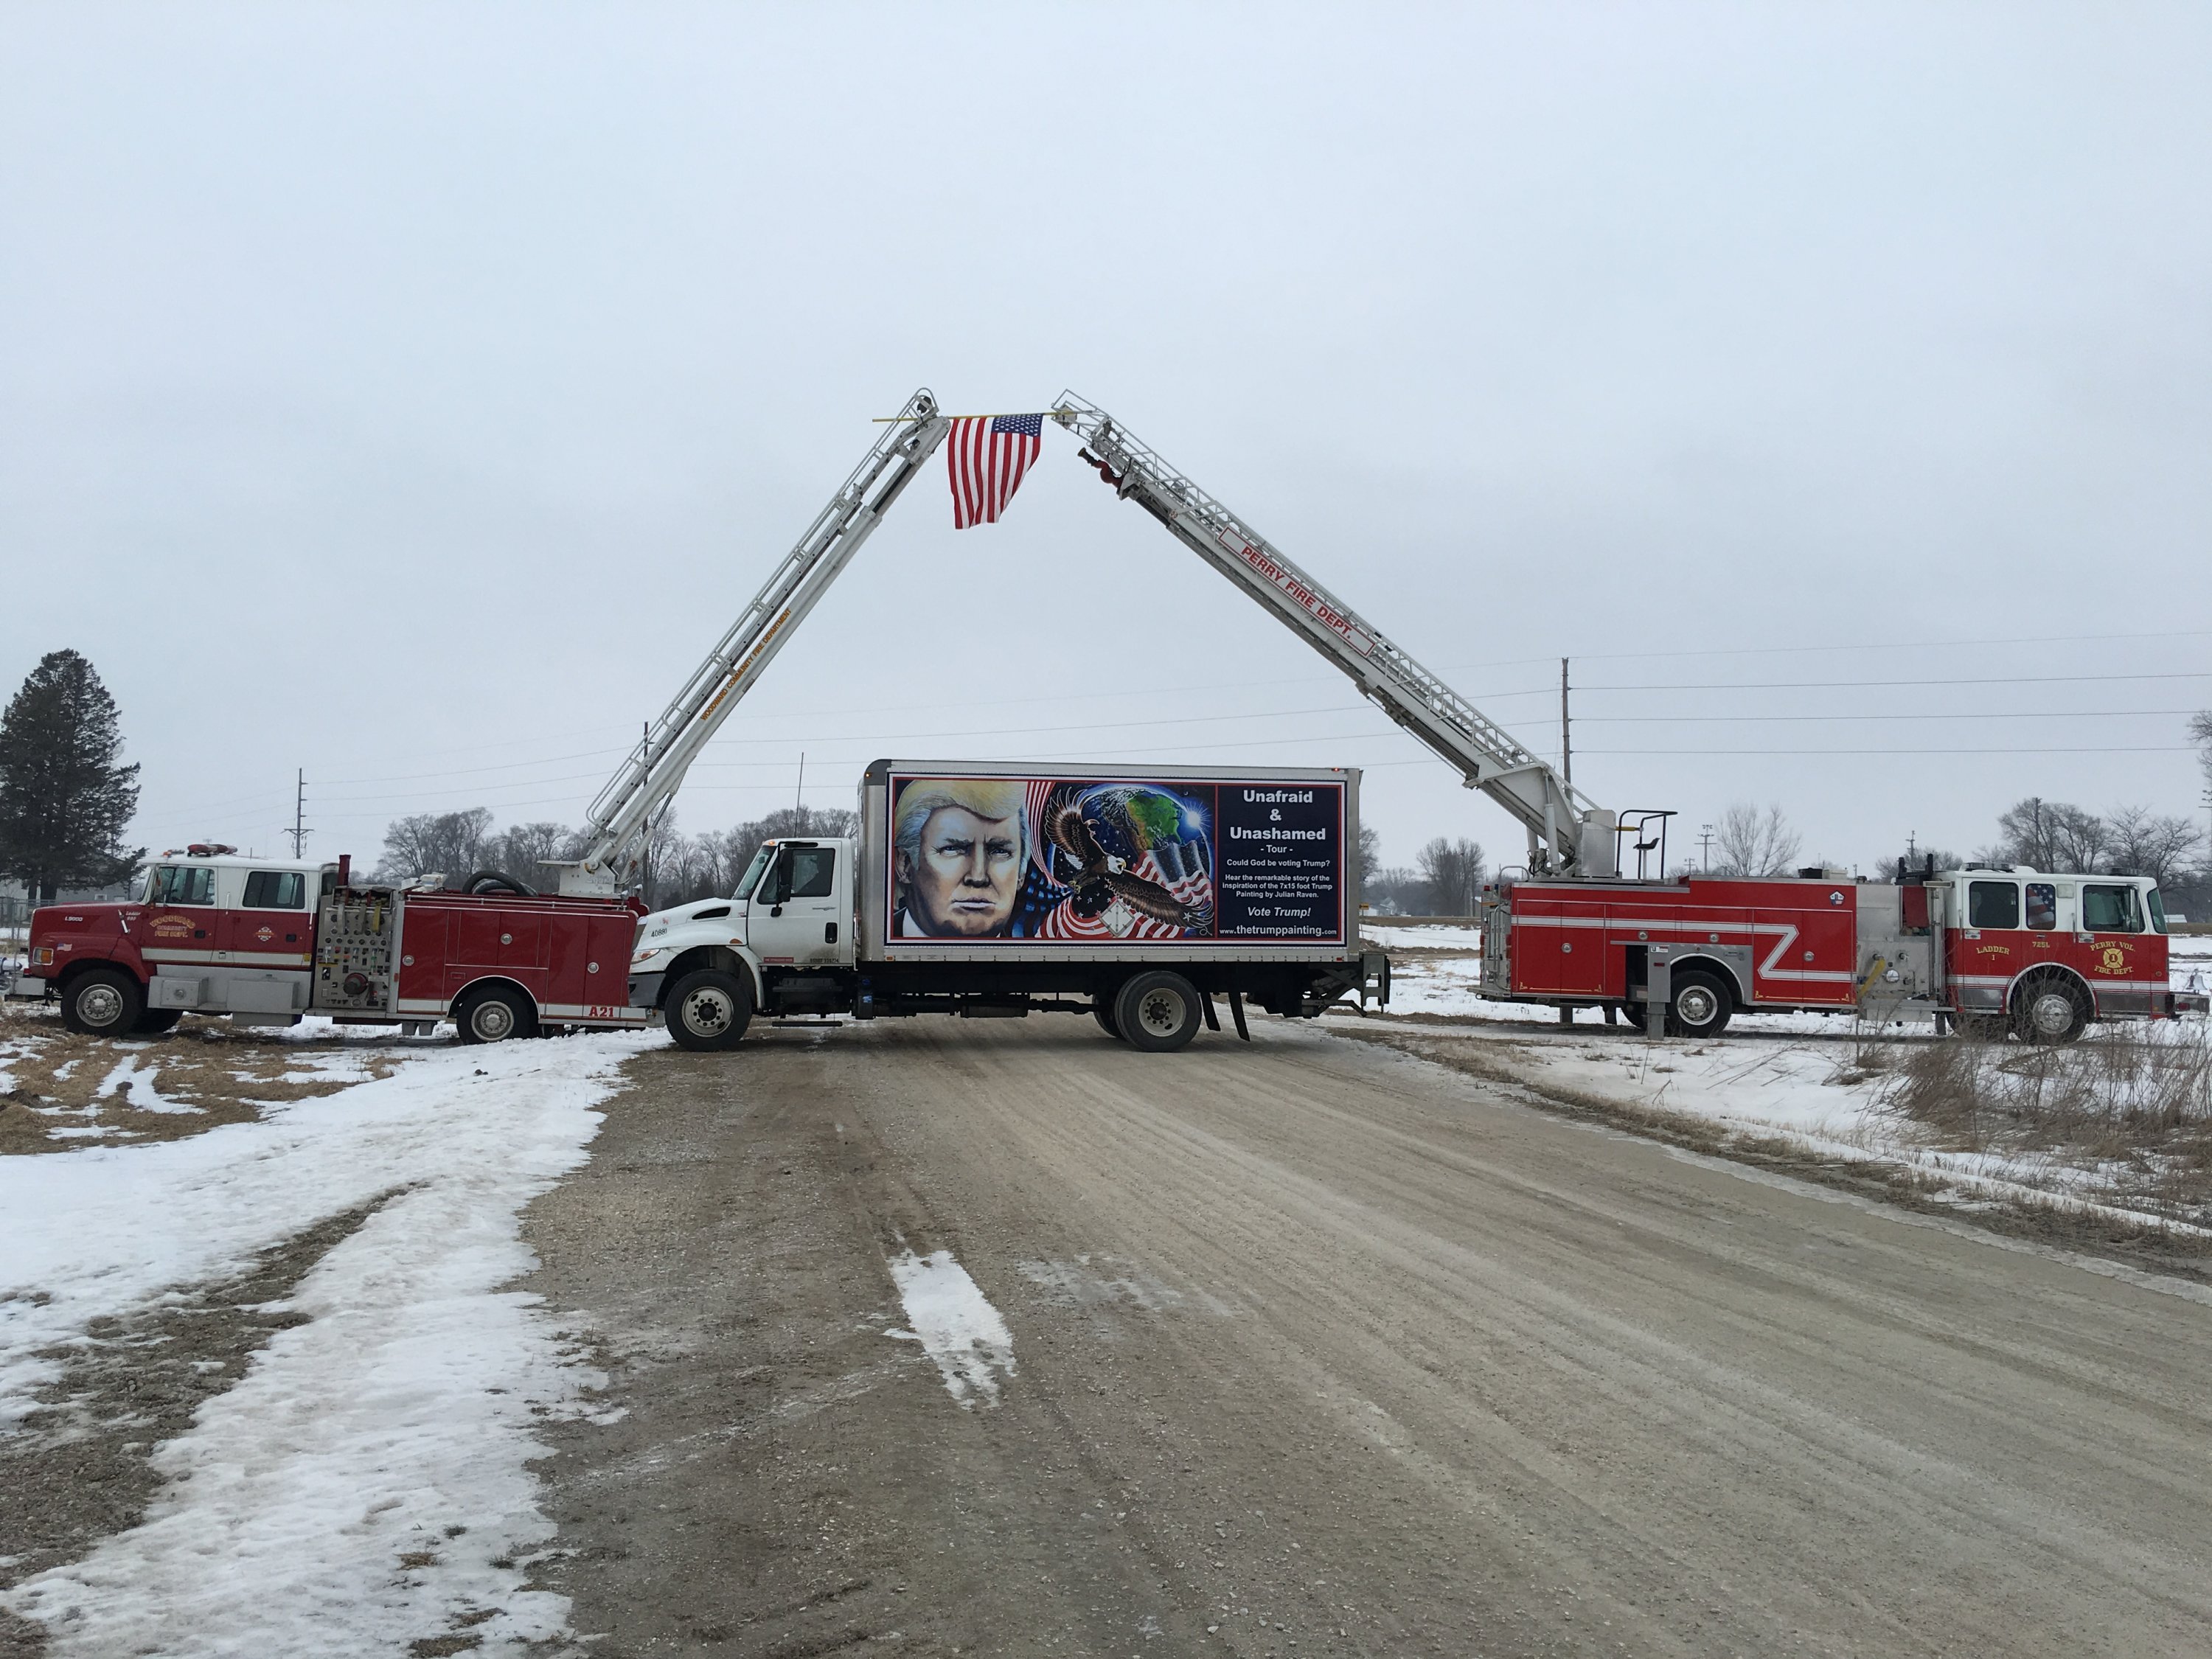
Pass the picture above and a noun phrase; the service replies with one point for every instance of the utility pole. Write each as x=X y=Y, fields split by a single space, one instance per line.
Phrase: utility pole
x=799 y=795
x=1566 y=732
x=1705 y=841
x=299 y=831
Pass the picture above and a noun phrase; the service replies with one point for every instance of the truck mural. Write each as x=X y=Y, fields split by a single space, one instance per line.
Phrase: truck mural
x=1114 y=859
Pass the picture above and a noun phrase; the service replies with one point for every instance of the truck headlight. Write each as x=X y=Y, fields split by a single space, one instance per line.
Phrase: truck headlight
x=43 y=957
x=644 y=957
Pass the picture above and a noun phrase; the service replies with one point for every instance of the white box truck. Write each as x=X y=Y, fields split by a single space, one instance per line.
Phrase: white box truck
x=996 y=890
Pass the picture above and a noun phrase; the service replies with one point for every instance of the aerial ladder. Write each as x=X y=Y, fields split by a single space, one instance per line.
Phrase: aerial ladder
x=616 y=825
x=1567 y=834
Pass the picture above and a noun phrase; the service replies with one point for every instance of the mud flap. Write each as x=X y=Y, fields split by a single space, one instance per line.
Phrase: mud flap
x=1236 y=1014
x=1205 y=1004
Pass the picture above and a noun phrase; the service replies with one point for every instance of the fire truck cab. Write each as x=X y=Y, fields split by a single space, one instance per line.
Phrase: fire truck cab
x=2050 y=952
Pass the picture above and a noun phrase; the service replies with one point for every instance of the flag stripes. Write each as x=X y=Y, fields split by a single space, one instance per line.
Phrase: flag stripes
x=985 y=458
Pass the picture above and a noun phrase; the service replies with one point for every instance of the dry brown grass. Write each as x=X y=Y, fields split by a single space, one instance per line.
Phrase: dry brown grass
x=2133 y=1103
x=65 y=1094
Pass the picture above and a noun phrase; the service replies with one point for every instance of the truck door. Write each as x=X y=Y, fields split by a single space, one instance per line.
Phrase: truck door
x=270 y=927
x=799 y=914
x=180 y=919
x=1991 y=946
x=2110 y=950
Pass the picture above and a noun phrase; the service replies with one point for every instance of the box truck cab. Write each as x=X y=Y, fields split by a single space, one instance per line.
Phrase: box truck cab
x=982 y=890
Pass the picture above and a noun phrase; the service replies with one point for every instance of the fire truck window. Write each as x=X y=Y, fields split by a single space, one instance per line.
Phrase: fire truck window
x=2157 y=912
x=2042 y=905
x=275 y=889
x=184 y=884
x=1992 y=904
x=811 y=868
x=2110 y=910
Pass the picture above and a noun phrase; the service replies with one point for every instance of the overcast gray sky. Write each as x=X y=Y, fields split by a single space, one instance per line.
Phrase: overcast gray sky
x=414 y=394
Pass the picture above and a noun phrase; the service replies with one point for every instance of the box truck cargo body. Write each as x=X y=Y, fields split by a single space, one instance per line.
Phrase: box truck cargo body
x=990 y=889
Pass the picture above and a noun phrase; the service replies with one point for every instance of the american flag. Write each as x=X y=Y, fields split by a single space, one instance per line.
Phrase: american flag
x=986 y=459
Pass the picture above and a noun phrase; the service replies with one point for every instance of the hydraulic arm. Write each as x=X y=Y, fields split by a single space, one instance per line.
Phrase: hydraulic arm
x=1567 y=834
x=614 y=832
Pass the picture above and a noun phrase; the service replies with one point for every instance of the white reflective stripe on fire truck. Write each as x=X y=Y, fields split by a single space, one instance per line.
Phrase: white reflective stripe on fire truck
x=235 y=958
x=2089 y=980
x=1783 y=934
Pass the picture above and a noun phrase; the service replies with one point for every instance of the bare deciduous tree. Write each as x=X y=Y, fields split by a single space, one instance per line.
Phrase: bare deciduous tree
x=1749 y=842
x=1452 y=873
x=2153 y=844
x=2051 y=835
x=450 y=843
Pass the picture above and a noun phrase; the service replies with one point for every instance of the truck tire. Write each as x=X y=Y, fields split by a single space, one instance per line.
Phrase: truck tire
x=494 y=1014
x=1700 y=1005
x=1157 y=1013
x=1102 y=1010
x=155 y=1021
x=103 y=1002
x=2048 y=1009
x=708 y=1010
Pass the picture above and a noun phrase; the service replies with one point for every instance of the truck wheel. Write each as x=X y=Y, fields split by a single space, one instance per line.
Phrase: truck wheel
x=1700 y=1007
x=155 y=1021
x=708 y=1010
x=103 y=1002
x=2049 y=1011
x=493 y=1015
x=1102 y=1010
x=1157 y=1013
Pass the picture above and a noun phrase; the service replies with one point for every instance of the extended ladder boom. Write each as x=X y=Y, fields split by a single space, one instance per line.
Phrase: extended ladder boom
x=1566 y=832
x=616 y=824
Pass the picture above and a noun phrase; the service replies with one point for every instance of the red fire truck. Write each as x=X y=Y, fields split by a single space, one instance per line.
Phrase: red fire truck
x=270 y=940
x=2020 y=950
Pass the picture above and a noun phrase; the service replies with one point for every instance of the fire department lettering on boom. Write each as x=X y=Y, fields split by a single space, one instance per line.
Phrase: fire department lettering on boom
x=1284 y=583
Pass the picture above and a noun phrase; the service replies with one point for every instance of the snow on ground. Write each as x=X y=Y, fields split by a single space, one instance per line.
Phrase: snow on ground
x=955 y=1323
x=400 y=1412
x=1802 y=1078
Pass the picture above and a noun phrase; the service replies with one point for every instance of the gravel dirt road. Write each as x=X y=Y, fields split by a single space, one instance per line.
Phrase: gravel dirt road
x=1319 y=1349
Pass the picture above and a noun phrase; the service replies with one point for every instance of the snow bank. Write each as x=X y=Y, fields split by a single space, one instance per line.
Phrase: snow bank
x=401 y=1412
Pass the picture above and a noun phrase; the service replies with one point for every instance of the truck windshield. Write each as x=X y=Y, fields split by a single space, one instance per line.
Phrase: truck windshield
x=748 y=881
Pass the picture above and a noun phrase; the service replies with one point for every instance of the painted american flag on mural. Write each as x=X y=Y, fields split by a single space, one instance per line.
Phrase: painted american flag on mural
x=985 y=458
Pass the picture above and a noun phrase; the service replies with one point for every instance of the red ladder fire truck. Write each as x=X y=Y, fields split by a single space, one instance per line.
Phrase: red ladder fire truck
x=2037 y=953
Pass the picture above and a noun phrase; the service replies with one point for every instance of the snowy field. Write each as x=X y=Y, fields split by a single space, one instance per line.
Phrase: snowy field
x=1819 y=1079
x=364 y=1485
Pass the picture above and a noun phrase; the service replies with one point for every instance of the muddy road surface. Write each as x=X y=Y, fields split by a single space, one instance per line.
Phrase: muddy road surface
x=1306 y=1347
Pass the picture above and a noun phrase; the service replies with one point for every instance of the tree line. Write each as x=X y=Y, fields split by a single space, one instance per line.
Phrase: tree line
x=678 y=868
x=67 y=800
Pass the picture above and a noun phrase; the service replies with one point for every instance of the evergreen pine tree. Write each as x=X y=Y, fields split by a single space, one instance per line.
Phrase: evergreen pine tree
x=63 y=801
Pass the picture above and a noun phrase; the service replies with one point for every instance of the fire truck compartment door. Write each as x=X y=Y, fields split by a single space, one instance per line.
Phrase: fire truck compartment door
x=174 y=991
x=794 y=914
x=264 y=996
